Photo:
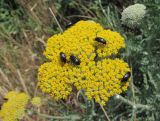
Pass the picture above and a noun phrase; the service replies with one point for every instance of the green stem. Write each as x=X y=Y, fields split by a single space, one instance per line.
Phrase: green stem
x=70 y=117
x=132 y=103
x=105 y=14
x=92 y=108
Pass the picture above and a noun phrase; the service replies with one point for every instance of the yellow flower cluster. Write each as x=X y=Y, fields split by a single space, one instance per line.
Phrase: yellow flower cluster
x=14 y=108
x=103 y=80
x=36 y=101
x=56 y=79
x=99 y=76
x=79 y=40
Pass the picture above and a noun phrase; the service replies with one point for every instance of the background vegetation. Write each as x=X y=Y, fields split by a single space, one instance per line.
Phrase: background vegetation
x=25 y=26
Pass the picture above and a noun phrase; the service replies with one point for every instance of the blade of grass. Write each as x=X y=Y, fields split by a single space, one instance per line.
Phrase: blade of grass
x=56 y=19
x=105 y=113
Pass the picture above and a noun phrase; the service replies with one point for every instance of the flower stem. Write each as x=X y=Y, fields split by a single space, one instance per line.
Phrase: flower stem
x=132 y=103
x=70 y=117
x=105 y=113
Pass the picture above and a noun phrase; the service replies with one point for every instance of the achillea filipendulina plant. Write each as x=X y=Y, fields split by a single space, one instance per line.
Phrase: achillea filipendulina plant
x=81 y=57
x=132 y=15
x=14 y=108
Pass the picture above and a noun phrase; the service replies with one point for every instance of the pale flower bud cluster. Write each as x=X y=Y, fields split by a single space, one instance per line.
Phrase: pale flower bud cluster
x=132 y=15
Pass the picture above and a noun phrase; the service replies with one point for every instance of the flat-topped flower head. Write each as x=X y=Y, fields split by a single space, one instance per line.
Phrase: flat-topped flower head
x=56 y=80
x=79 y=40
x=80 y=59
x=14 y=108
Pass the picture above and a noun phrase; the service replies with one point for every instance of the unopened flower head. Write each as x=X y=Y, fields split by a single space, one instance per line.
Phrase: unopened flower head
x=36 y=101
x=14 y=108
x=96 y=72
x=132 y=15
